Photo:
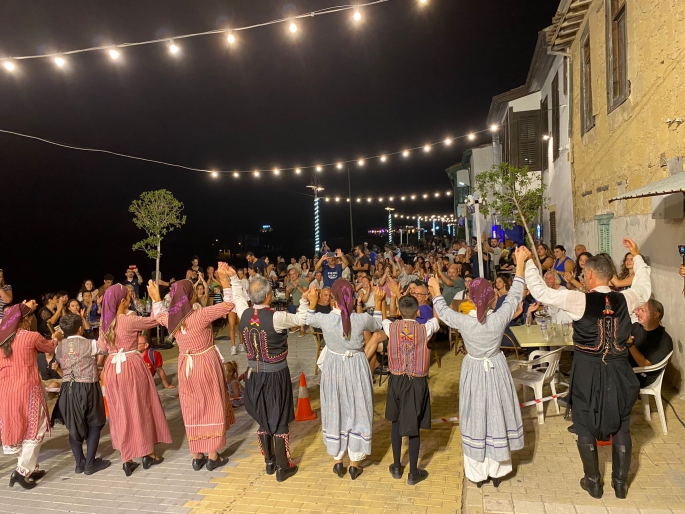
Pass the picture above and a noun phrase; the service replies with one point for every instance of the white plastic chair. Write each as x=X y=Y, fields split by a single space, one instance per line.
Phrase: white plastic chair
x=523 y=373
x=654 y=389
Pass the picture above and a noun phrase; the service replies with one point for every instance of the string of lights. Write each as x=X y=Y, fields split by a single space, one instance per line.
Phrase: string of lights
x=392 y=198
x=276 y=171
x=426 y=217
x=114 y=50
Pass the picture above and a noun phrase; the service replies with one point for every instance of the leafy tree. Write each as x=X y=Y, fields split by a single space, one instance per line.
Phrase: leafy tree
x=157 y=213
x=512 y=193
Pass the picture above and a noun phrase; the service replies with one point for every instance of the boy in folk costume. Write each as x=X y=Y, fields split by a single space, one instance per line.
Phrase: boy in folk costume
x=80 y=399
x=408 y=405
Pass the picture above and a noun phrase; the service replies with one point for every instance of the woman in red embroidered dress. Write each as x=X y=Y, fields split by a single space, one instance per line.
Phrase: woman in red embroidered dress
x=207 y=411
x=23 y=409
x=136 y=417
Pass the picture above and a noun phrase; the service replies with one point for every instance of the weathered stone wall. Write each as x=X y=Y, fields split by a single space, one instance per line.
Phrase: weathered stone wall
x=627 y=147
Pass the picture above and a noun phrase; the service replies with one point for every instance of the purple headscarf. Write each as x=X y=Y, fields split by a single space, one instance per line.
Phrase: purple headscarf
x=343 y=293
x=180 y=308
x=10 y=323
x=482 y=294
x=110 y=305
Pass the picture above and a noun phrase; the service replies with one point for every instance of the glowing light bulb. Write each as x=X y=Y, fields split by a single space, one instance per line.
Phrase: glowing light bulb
x=391 y=198
x=9 y=66
x=114 y=54
x=448 y=142
x=427 y=148
x=448 y=193
x=256 y=174
x=293 y=27
x=402 y=198
x=370 y=199
x=405 y=153
x=339 y=165
x=472 y=136
x=298 y=170
x=337 y=198
x=231 y=38
x=328 y=199
x=437 y=194
x=59 y=61
x=173 y=48
x=545 y=137
x=360 y=162
x=276 y=171
x=413 y=197
x=319 y=168
x=357 y=16
x=214 y=174
x=236 y=174
x=380 y=199
x=359 y=200
x=494 y=128
x=423 y=1
x=425 y=196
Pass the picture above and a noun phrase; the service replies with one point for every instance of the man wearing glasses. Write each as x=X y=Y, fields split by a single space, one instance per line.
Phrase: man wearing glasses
x=420 y=292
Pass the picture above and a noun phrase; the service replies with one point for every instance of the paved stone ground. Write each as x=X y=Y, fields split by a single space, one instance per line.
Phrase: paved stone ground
x=548 y=470
x=242 y=485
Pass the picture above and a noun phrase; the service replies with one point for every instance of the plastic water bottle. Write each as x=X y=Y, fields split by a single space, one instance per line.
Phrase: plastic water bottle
x=543 y=329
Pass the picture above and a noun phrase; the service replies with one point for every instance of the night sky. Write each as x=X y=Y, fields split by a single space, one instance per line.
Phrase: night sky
x=405 y=76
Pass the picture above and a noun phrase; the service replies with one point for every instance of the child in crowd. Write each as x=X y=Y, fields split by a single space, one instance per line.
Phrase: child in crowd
x=235 y=389
x=153 y=360
x=408 y=405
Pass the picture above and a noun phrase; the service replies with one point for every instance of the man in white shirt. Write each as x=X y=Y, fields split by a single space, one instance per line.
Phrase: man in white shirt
x=603 y=387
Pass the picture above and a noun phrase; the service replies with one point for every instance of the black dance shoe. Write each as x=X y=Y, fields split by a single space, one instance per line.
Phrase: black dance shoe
x=213 y=464
x=355 y=472
x=18 y=478
x=150 y=461
x=496 y=482
x=97 y=465
x=339 y=470
x=396 y=471
x=129 y=467
x=420 y=476
x=79 y=469
x=198 y=464
x=37 y=475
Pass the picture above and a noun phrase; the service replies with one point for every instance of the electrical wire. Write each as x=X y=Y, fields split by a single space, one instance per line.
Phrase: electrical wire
x=319 y=12
x=674 y=411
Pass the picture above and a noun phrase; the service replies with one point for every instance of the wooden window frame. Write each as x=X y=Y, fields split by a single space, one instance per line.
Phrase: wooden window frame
x=544 y=113
x=617 y=21
x=587 y=119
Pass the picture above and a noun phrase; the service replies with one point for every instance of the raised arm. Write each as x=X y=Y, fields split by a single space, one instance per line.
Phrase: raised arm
x=284 y=320
x=641 y=288
x=238 y=294
x=46 y=345
x=571 y=302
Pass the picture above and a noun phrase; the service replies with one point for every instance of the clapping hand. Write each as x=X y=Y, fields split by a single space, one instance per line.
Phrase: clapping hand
x=631 y=246
x=338 y=252
x=434 y=287
x=522 y=254
x=313 y=295
x=378 y=294
x=568 y=276
x=31 y=304
x=153 y=291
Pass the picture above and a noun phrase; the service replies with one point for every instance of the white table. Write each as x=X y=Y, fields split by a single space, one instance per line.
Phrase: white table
x=532 y=337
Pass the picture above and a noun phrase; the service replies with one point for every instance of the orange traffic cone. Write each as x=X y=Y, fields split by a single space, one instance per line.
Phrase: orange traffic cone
x=304 y=407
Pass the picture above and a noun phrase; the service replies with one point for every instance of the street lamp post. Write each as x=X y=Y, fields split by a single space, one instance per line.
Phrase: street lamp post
x=314 y=186
x=390 y=209
x=476 y=203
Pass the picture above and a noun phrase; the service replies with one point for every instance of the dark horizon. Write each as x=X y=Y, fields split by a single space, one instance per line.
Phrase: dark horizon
x=407 y=75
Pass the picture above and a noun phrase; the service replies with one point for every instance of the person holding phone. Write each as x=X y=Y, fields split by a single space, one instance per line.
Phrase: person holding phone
x=335 y=269
x=133 y=279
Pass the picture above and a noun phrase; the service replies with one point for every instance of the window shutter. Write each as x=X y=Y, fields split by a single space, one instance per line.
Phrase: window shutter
x=553 y=229
x=604 y=233
x=555 y=115
x=529 y=141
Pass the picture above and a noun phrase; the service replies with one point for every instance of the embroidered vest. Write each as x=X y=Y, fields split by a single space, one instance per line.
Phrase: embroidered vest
x=408 y=349
x=605 y=326
x=262 y=342
x=74 y=357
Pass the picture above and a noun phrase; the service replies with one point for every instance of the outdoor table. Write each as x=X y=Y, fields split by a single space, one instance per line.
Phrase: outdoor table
x=532 y=337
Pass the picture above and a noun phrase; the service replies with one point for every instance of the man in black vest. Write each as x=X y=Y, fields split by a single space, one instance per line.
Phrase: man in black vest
x=603 y=387
x=268 y=387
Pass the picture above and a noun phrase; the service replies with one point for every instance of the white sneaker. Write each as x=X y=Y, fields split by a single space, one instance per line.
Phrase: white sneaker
x=233 y=352
x=242 y=348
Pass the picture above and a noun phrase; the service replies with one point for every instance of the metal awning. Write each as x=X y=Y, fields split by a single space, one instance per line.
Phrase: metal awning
x=673 y=184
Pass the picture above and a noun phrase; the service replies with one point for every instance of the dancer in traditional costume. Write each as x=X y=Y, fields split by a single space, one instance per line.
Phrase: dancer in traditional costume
x=207 y=411
x=408 y=406
x=136 y=417
x=489 y=412
x=80 y=399
x=23 y=408
x=603 y=387
x=346 y=381
x=268 y=386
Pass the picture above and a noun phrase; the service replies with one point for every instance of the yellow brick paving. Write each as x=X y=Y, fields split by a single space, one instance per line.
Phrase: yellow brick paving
x=246 y=488
x=548 y=470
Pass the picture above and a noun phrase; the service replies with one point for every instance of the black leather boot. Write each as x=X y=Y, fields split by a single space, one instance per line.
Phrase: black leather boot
x=592 y=482
x=620 y=456
x=18 y=478
x=284 y=466
x=266 y=443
